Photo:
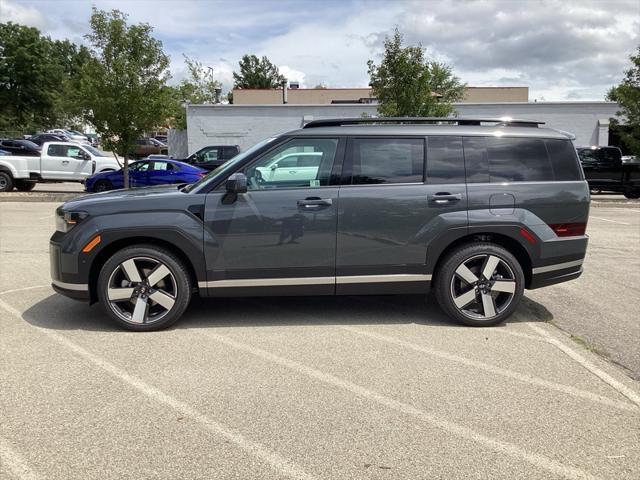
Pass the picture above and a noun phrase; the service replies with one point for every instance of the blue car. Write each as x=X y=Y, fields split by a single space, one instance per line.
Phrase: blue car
x=146 y=173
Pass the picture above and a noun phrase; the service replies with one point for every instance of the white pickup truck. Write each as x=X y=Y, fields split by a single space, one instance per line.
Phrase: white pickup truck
x=59 y=162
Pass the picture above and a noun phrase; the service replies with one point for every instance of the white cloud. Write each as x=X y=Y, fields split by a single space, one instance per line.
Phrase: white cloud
x=560 y=48
x=13 y=12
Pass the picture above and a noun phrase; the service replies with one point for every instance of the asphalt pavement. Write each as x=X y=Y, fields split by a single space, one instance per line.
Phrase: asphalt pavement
x=321 y=388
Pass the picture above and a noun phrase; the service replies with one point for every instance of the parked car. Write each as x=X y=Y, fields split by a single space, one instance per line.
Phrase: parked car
x=476 y=212
x=605 y=171
x=146 y=173
x=630 y=159
x=25 y=148
x=4 y=152
x=94 y=141
x=161 y=138
x=291 y=166
x=59 y=162
x=41 y=138
x=213 y=156
x=149 y=146
x=73 y=135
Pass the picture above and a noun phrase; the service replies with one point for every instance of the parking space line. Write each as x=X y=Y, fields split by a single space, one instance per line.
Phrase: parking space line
x=605 y=377
x=276 y=461
x=14 y=462
x=512 y=450
x=521 y=377
x=14 y=290
x=607 y=220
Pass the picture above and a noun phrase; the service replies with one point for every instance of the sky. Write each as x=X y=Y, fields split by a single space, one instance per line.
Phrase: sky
x=560 y=49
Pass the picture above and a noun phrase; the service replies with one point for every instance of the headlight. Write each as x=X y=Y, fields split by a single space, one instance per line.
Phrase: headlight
x=65 y=221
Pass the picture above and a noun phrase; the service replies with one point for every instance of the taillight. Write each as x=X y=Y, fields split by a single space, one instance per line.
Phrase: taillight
x=569 y=229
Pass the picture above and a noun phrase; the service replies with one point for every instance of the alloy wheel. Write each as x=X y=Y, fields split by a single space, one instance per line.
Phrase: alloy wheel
x=483 y=286
x=141 y=290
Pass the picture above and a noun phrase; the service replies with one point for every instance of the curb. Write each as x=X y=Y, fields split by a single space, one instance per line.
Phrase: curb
x=38 y=197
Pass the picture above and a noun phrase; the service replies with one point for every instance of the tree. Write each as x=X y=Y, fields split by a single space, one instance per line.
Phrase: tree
x=257 y=73
x=199 y=87
x=124 y=83
x=627 y=94
x=408 y=85
x=30 y=79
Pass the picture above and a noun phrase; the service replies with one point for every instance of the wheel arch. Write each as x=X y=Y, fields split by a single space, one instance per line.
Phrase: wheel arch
x=505 y=241
x=115 y=246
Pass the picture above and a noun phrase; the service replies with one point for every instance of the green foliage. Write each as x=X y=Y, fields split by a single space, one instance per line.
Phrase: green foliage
x=199 y=87
x=257 y=73
x=627 y=94
x=123 y=85
x=408 y=85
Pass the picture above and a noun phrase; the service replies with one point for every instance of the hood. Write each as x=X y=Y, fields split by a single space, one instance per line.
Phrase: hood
x=127 y=196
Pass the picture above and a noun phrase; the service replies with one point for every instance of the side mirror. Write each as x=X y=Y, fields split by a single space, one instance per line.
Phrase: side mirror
x=236 y=183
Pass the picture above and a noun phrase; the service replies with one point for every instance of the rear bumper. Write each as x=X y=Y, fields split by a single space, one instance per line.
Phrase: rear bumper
x=545 y=279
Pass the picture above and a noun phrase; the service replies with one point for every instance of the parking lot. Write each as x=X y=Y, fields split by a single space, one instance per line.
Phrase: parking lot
x=340 y=388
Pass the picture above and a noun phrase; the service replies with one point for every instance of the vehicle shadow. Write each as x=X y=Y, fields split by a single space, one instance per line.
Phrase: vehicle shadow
x=59 y=313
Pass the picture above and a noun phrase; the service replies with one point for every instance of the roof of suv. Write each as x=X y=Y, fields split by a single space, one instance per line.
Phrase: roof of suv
x=429 y=126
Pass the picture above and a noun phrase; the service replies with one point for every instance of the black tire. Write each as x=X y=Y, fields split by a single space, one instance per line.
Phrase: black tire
x=102 y=186
x=6 y=182
x=118 y=310
x=632 y=194
x=25 y=185
x=447 y=281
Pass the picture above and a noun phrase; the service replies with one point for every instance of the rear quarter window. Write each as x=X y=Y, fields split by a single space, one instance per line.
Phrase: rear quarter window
x=505 y=159
x=564 y=160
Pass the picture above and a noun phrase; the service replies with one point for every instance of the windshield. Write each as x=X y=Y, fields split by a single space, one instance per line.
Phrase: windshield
x=226 y=167
x=94 y=151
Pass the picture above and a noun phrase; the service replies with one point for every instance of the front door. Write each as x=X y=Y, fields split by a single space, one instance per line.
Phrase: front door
x=66 y=162
x=390 y=211
x=280 y=237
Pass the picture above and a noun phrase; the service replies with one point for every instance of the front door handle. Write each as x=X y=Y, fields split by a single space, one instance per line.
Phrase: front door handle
x=65 y=162
x=444 y=197
x=314 y=203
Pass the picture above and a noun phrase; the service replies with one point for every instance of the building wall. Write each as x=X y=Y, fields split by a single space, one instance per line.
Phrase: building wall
x=245 y=125
x=324 y=96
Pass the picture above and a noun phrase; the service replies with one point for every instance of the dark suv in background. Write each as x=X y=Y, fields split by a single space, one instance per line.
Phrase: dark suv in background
x=478 y=210
x=605 y=170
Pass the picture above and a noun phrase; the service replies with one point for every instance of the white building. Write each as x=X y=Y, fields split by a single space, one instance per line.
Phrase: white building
x=245 y=125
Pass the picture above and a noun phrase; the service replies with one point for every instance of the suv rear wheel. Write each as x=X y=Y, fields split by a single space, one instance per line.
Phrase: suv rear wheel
x=479 y=284
x=144 y=288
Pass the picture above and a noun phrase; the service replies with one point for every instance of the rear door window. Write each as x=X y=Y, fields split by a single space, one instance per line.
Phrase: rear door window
x=518 y=160
x=387 y=160
x=445 y=160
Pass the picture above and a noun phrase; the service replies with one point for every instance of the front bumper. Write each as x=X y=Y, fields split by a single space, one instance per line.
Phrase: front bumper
x=67 y=276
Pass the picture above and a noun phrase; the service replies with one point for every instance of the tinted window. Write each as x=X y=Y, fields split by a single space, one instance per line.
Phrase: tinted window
x=518 y=160
x=445 y=161
x=163 y=166
x=139 y=166
x=386 y=160
x=475 y=158
x=563 y=160
x=280 y=168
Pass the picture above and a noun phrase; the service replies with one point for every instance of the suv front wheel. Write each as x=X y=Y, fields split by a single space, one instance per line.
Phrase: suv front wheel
x=479 y=284
x=144 y=288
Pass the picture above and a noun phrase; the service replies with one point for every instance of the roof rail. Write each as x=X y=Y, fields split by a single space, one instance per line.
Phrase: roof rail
x=501 y=122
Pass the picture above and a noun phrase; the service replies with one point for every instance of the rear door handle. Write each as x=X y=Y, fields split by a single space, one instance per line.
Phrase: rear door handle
x=314 y=203
x=445 y=197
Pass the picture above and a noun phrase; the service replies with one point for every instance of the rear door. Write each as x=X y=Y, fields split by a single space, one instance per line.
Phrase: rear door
x=162 y=173
x=390 y=211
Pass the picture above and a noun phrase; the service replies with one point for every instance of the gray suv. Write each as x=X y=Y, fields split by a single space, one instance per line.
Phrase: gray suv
x=477 y=209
